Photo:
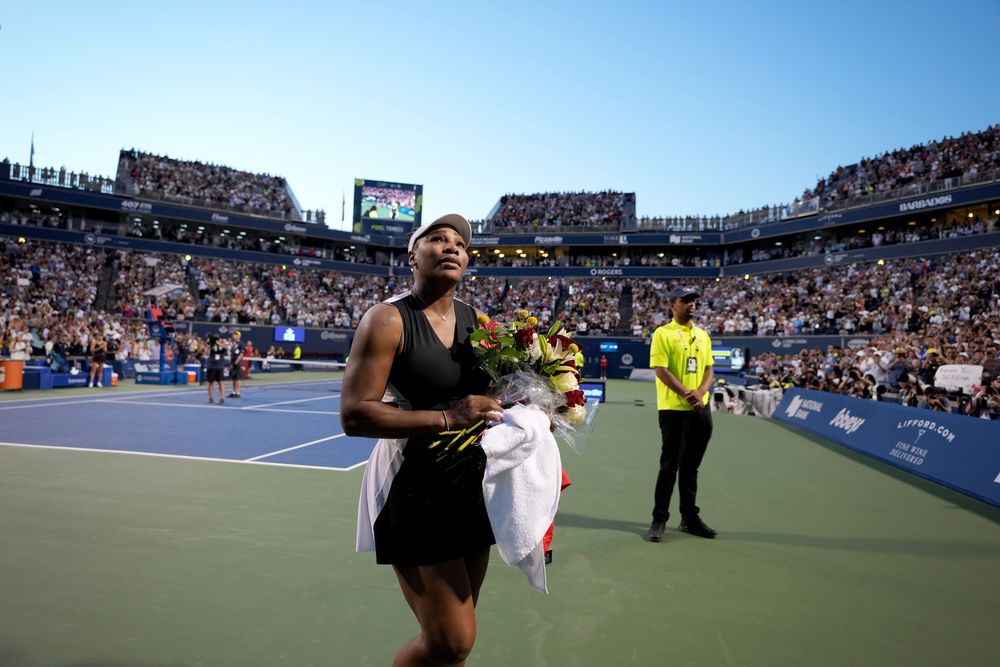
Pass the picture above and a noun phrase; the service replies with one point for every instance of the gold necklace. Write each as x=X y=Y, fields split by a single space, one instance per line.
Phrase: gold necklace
x=428 y=306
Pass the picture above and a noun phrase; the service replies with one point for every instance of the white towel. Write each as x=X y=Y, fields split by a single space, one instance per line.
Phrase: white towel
x=521 y=487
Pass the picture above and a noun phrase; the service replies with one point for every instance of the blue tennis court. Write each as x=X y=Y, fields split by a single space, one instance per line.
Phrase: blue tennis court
x=287 y=424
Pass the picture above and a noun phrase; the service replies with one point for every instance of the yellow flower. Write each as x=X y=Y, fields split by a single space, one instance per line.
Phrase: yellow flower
x=482 y=319
x=574 y=348
x=576 y=414
x=565 y=382
x=532 y=321
x=522 y=314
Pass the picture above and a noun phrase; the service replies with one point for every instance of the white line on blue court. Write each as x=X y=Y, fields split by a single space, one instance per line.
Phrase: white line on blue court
x=298 y=400
x=57 y=401
x=178 y=456
x=210 y=406
x=289 y=449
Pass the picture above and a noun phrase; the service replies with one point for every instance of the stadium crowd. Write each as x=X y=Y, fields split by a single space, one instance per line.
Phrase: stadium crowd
x=896 y=173
x=558 y=210
x=920 y=311
x=876 y=239
x=969 y=155
x=162 y=177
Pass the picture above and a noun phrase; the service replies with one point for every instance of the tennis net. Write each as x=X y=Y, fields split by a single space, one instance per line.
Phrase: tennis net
x=294 y=374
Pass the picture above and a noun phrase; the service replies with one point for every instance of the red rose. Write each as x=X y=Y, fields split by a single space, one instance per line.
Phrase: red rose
x=523 y=337
x=575 y=397
x=491 y=326
x=566 y=341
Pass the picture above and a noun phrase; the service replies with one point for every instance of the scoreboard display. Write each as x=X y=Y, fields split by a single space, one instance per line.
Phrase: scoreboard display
x=384 y=207
x=728 y=359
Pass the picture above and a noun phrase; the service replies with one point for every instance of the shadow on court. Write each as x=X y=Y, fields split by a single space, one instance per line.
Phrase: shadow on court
x=929 y=547
x=571 y=520
x=952 y=497
x=12 y=657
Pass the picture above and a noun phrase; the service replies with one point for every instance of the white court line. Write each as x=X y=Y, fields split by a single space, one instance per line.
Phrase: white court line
x=210 y=406
x=288 y=449
x=298 y=412
x=56 y=402
x=297 y=400
x=179 y=456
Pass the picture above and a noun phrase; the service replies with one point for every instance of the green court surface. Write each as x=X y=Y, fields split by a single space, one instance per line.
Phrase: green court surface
x=824 y=558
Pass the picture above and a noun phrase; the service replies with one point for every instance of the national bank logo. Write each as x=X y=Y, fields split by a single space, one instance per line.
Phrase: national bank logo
x=844 y=420
x=801 y=408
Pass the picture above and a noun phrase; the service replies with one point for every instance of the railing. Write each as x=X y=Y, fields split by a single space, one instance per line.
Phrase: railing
x=209 y=204
x=763 y=215
x=914 y=189
x=487 y=227
x=60 y=178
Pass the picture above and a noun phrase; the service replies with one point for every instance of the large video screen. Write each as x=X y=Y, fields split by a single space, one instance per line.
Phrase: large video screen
x=728 y=359
x=388 y=205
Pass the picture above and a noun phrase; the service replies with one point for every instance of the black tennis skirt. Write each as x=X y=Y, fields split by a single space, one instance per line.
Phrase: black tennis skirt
x=435 y=510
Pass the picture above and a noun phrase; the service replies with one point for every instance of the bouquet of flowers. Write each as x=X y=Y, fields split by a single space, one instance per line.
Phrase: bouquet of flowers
x=526 y=367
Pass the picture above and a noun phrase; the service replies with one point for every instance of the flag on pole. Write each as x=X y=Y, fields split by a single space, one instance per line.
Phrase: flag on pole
x=31 y=156
x=343 y=205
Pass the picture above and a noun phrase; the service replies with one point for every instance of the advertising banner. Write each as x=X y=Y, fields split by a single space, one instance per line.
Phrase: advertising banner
x=957 y=451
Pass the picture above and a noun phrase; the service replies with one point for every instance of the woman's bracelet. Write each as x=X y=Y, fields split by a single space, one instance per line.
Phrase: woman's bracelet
x=447 y=426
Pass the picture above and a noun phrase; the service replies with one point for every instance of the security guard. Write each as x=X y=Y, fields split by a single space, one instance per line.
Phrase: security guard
x=681 y=353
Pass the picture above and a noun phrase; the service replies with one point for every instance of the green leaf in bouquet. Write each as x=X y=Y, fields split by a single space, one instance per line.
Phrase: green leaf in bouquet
x=555 y=328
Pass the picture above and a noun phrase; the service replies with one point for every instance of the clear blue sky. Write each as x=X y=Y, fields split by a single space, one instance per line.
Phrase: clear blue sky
x=695 y=107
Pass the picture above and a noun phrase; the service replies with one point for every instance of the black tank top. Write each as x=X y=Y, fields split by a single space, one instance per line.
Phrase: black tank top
x=425 y=372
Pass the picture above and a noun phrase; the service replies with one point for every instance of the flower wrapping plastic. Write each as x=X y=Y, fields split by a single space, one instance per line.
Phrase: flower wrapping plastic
x=528 y=367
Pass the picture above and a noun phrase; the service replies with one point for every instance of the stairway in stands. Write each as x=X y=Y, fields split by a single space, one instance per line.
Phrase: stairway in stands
x=106 y=284
x=124 y=183
x=563 y=295
x=191 y=277
x=624 y=327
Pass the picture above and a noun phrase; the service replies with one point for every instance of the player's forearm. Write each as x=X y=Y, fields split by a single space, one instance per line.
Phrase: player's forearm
x=380 y=420
x=706 y=382
x=669 y=379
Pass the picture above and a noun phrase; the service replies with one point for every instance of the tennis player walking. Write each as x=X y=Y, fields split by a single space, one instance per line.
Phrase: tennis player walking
x=412 y=374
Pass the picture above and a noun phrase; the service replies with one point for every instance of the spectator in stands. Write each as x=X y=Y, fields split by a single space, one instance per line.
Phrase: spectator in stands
x=269 y=356
x=936 y=399
x=57 y=358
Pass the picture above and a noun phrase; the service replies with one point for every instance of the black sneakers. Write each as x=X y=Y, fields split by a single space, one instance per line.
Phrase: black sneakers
x=697 y=527
x=656 y=529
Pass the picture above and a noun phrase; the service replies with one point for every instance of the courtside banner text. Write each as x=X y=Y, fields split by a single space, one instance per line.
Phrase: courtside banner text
x=957 y=451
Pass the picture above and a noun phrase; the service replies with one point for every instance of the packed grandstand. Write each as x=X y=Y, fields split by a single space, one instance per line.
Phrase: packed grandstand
x=882 y=273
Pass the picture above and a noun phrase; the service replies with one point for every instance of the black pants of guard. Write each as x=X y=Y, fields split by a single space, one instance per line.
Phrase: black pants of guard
x=685 y=435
